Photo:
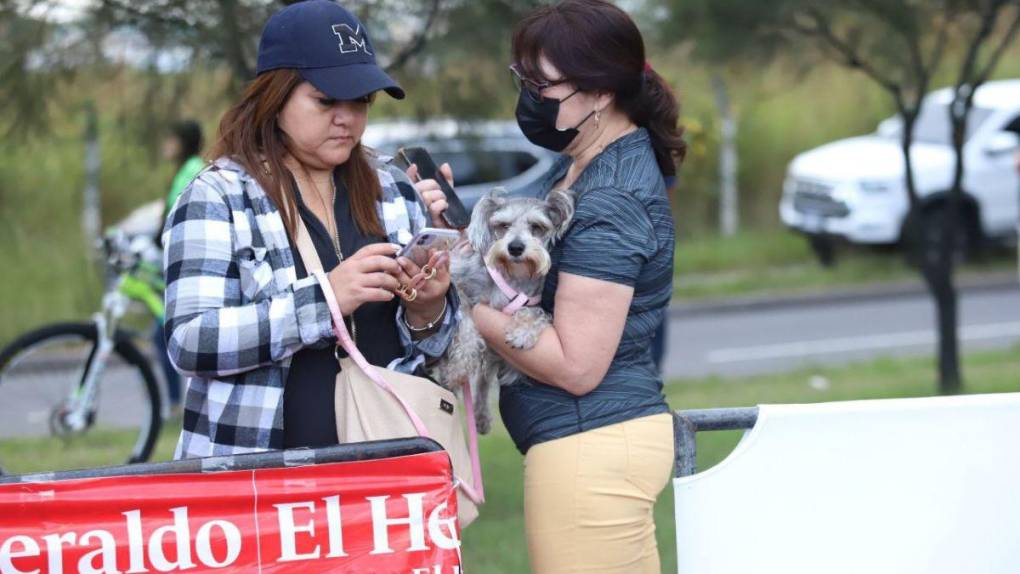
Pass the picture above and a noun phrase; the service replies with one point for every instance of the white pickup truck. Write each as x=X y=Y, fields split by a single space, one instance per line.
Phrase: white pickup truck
x=856 y=189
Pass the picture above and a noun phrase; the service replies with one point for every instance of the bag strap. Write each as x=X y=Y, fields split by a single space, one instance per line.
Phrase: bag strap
x=344 y=336
x=313 y=264
x=475 y=492
x=306 y=248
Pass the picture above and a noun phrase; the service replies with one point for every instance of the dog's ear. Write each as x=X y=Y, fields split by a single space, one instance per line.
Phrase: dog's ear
x=559 y=206
x=478 y=233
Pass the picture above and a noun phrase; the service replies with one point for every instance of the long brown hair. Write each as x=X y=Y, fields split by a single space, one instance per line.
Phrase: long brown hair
x=599 y=48
x=249 y=135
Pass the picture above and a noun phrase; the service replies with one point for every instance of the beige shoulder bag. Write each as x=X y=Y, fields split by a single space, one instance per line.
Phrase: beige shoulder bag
x=374 y=403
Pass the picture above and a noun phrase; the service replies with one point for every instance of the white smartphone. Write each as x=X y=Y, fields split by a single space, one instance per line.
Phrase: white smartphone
x=429 y=238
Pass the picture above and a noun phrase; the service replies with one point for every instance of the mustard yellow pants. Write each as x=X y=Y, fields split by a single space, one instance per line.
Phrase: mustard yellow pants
x=588 y=498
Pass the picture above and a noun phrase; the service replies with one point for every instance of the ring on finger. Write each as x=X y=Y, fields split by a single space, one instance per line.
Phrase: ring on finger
x=407 y=292
x=428 y=271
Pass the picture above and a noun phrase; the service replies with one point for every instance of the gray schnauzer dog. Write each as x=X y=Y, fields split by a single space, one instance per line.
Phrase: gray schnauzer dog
x=504 y=266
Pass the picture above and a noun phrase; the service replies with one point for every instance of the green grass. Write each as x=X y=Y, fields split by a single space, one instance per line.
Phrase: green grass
x=99 y=447
x=495 y=543
x=778 y=261
x=751 y=250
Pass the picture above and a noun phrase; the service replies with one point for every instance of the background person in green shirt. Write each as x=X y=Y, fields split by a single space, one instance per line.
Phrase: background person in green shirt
x=183 y=146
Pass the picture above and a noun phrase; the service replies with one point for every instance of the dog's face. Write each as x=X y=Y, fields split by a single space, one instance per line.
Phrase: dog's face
x=515 y=234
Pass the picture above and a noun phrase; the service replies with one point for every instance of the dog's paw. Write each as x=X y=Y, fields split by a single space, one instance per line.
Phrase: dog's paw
x=527 y=325
x=484 y=422
x=522 y=338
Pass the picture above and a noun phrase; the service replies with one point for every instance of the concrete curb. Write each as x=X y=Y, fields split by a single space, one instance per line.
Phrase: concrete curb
x=997 y=281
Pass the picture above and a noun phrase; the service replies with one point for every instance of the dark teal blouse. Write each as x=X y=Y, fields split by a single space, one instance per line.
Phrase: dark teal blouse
x=622 y=232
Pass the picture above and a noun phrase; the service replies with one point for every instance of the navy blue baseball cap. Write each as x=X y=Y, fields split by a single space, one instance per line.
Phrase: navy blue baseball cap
x=328 y=46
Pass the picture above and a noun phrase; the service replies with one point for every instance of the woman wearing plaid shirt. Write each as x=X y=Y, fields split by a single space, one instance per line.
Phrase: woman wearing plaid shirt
x=245 y=322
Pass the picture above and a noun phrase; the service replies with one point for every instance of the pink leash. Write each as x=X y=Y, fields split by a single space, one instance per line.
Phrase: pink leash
x=342 y=335
x=517 y=298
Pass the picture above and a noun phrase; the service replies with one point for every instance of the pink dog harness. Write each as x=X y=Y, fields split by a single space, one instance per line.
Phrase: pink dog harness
x=517 y=298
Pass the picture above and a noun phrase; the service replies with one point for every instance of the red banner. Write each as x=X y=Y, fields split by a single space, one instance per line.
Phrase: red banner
x=395 y=515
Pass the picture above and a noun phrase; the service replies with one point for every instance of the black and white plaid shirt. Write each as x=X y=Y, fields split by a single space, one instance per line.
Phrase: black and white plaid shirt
x=236 y=313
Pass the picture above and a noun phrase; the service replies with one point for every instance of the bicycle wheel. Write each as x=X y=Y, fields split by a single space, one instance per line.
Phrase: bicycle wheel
x=39 y=374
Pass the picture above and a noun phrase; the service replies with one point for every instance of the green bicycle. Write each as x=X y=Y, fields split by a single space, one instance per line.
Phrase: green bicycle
x=82 y=393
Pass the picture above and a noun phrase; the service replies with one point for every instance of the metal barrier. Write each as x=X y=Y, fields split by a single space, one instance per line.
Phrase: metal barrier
x=271 y=459
x=383 y=506
x=686 y=425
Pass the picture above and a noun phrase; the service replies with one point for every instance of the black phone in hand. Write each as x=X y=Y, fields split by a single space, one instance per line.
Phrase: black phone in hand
x=455 y=215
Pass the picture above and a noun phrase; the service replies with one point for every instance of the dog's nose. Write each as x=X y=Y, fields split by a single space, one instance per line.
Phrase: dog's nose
x=515 y=248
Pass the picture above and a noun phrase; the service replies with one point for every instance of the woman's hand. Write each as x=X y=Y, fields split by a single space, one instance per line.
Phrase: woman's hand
x=575 y=353
x=431 y=295
x=368 y=275
x=431 y=194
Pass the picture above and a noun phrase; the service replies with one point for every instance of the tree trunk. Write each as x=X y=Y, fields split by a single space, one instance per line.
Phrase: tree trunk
x=932 y=248
x=729 y=211
x=930 y=238
x=90 y=212
x=938 y=276
x=950 y=379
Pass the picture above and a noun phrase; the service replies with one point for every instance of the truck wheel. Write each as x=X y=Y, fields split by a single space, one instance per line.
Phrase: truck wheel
x=824 y=249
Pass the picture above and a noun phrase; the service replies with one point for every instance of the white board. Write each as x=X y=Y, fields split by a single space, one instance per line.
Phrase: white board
x=905 y=486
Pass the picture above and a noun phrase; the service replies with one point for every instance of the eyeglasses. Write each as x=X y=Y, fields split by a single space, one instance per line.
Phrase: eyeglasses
x=534 y=89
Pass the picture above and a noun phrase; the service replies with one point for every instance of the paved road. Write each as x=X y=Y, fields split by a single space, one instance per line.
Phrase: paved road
x=28 y=398
x=782 y=338
x=727 y=343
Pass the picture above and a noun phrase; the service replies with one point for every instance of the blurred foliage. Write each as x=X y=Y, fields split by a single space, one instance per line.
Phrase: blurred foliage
x=899 y=46
x=463 y=73
x=785 y=100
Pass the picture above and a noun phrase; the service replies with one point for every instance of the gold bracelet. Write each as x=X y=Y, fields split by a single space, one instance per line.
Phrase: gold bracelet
x=431 y=324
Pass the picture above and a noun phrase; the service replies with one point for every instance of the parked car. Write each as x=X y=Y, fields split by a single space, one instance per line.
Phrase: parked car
x=855 y=188
x=483 y=155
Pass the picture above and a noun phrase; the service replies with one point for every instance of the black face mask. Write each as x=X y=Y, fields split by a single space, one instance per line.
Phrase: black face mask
x=537 y=121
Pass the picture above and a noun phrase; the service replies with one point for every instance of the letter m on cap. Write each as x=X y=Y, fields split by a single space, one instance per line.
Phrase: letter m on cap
x=351 y=39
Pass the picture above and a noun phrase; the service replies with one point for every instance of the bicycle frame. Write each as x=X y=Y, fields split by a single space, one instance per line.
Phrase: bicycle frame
x=142 y=283
x=146 y=286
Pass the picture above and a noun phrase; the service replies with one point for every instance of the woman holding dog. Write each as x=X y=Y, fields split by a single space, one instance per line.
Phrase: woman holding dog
x=246 y=322
x=590 y=416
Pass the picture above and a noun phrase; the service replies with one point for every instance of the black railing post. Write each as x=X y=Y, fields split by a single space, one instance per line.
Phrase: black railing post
x=686 y=425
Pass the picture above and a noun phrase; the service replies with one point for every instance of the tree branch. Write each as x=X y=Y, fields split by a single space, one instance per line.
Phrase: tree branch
x=417 y=44
x=988 y=18
x=135 y=10
x=941 y=39
x=1007 y=39
x=850 y=56
x=892 y=15
x=917 y=59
